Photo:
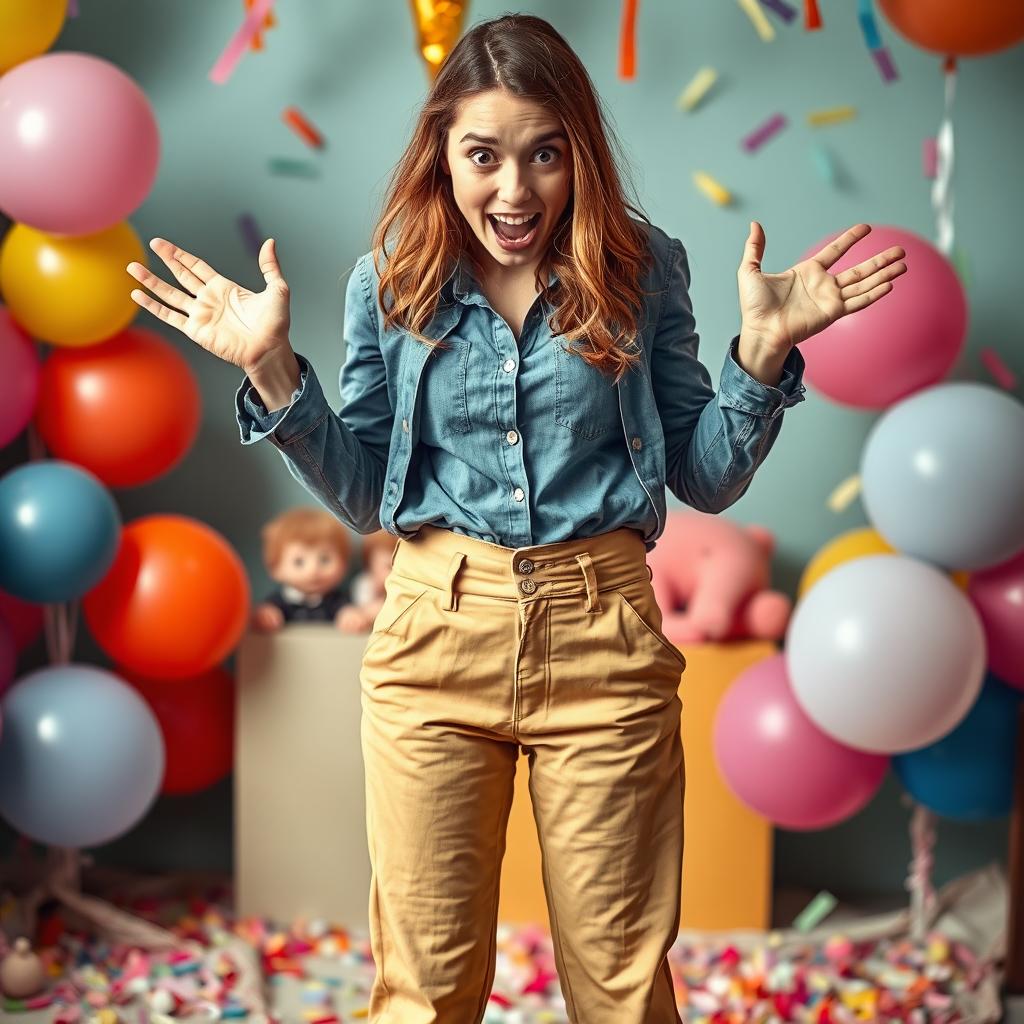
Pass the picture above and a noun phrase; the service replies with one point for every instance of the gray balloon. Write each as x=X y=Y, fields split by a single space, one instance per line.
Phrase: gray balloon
x=942 y=475
x=81 y=756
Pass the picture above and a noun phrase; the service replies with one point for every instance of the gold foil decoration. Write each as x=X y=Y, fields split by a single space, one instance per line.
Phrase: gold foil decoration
x=438 y=25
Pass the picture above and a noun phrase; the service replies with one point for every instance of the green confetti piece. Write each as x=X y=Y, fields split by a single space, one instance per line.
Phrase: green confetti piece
x=819 y=908
x=286 y=165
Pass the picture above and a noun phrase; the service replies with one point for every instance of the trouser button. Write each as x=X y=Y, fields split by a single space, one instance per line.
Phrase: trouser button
x=528 y=586
x=526 y=566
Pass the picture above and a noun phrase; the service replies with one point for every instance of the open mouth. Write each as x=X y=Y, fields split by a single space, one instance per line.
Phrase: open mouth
x=523 y=236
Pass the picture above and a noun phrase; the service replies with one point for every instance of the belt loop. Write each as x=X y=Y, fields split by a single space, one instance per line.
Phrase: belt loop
x=450 y=598
x=593 y=601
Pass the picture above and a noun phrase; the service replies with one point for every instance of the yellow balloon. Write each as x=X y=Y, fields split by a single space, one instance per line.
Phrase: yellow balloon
x=28 y=28
x=70 y=290
x=848 y=546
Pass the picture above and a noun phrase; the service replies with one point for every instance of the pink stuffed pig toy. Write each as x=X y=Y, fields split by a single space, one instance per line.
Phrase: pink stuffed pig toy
x=710 y=578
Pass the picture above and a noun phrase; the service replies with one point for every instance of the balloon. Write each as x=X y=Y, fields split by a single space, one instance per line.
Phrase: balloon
x=856 y=543
x=19 y=383
x=956 y=28
x=885 y=653
x=127 y=409
x=175 y=602
x=81 y=144
x=777 y=761
x=998 y=595
x=8 y=656
x=70 y=291
x=59 y=530
x=81 y=757
x=906 y=342
x=968 y=774
x=24 y=618
x=942 y=475
x=197 y=722
x=28 y=29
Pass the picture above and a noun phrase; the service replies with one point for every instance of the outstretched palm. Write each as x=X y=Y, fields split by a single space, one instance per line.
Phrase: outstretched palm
x=234 y=323
x=785 y=309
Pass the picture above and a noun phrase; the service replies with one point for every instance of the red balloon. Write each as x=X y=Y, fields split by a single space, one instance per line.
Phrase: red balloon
x=127 y=409
x=24 y=618
x=958 y=28
x=174 y=603
x=197 y=721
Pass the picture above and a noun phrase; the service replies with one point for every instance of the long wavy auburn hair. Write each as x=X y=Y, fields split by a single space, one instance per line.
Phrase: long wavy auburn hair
x=597 y=250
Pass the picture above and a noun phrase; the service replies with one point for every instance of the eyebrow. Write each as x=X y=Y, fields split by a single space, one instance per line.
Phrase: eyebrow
x=491 y=141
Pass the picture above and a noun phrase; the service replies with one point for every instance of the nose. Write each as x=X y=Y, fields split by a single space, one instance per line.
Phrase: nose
x=513 y=185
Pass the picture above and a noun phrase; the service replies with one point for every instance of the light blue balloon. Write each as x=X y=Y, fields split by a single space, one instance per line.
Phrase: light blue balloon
x=967 y=775
x=81 y=756
x=60 y=529
x=942 y=475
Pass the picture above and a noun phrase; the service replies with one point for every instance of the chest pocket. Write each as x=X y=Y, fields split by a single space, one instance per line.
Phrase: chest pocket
x=445 y=393
x=586 y=401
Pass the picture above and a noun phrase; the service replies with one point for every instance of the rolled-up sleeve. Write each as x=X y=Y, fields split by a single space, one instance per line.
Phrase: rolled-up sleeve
x=340 y=458
x=714 y=442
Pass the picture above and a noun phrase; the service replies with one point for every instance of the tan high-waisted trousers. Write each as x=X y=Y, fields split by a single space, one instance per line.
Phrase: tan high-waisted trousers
x=480 y=650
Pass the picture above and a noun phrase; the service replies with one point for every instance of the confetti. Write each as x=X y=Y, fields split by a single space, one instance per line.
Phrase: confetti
x=713 y=189
x=697 y=88
x=286 y=165
x=930 y=156
x=761 y=24
x=832 y=115
x=627 y=40
x=786 y=12
x=815 y=912
x=295 y=120
x=824 y=163
x=760 y=135
x=844 y=493
x=1001 y=373
x=225 y=64
x=885 y=65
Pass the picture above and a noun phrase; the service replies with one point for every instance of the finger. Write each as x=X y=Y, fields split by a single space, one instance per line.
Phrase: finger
x=887 y=273
x=867 y=267
x=860 y=301
x=753 y=251
x=828 y=254
x=268 y=262
x=190 y=270
x=172 y=296
x=169 y=316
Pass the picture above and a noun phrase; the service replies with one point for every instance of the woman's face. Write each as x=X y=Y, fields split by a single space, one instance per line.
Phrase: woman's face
x=519 y=163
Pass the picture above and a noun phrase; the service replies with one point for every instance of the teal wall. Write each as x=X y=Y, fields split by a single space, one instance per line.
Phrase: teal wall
x=353 y=69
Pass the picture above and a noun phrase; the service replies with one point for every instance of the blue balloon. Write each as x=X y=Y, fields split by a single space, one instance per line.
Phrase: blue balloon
x=60 y=529
x=81 y=756
x=967 y=775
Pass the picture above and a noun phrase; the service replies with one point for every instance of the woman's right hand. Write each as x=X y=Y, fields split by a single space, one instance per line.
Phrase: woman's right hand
x=241 y=327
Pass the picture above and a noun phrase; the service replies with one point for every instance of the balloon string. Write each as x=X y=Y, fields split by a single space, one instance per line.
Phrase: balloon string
x=919 y=881
x=942 y=186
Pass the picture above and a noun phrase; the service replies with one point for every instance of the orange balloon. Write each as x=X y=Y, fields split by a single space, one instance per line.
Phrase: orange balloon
x=197 y=721
x=958 y=28
x=174 y=603
x=126 y=409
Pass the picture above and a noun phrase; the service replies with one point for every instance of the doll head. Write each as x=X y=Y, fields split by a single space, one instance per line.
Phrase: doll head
x=377 y=551
x=306 y=548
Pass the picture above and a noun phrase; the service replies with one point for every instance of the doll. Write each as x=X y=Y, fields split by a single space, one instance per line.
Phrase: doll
x=306 y=552
x=368 y=585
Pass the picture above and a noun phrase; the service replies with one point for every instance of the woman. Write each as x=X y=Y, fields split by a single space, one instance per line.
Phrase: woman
x=515 y=399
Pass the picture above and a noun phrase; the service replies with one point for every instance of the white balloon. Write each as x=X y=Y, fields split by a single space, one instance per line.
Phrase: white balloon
x=885 y=653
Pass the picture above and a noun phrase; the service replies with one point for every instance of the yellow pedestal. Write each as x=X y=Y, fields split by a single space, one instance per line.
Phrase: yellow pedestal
x=727 y=857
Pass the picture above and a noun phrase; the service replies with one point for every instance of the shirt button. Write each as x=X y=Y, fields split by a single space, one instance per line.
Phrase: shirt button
x=405 y=425
x=519 y=494
x=509 y=365
x=637 y=444
x=527 y=586
x=526 y=566
x=512 y=437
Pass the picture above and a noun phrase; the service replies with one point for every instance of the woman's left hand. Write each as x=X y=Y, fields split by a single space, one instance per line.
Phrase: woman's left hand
x=781 y=310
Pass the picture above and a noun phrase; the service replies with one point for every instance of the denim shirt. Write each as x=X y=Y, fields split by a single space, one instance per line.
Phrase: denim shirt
x=522 y=444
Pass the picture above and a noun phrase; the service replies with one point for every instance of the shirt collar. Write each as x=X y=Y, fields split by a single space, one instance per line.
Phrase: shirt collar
x=461 y=284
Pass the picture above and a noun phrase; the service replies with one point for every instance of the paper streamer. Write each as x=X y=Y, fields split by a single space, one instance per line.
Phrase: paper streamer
x=697 y=88
x=713 y=189
x=833 y=115
x=1001 y=373
x=759 y=136
x=225 y=64
x=844 y=493
x=627 y=40
x=942 y=186
x=785 y=11
x=761 y=23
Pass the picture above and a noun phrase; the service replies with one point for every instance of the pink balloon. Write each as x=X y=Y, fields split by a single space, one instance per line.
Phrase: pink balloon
x=998 y=594
x=779 y=763
x=906 y=341
x=19 y=382
x=80 y=143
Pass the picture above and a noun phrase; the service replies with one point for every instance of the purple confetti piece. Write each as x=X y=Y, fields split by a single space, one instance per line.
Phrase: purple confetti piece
x=930 y=157
x=885 y=64
x=761 y=135
x=781 y=8
x=251 y=234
